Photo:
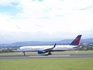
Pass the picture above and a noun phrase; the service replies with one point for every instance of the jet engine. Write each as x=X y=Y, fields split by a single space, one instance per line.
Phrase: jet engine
x=40 y=51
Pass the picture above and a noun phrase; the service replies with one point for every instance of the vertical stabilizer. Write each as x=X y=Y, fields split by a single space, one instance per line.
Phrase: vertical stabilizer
x=76 y=40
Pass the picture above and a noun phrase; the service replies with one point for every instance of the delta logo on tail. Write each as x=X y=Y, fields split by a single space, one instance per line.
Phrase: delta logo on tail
x=76 y=40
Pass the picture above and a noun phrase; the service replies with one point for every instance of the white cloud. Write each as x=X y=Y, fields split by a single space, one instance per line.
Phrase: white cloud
x=47 y=18
x=7 y=2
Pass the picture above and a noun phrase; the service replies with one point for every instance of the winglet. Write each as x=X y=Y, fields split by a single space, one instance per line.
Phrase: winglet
x=54 y=45
x=76 y=40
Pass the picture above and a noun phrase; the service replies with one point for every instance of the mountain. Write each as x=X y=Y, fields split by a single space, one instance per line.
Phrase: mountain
x=33 y=43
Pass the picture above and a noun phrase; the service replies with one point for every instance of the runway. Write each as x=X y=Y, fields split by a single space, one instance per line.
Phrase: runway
x=49 y=56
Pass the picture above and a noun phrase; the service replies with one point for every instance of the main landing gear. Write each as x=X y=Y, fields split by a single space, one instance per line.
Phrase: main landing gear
x=49 y=53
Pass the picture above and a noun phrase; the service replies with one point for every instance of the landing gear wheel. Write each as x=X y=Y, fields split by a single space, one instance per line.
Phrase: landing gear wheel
x=49 y=53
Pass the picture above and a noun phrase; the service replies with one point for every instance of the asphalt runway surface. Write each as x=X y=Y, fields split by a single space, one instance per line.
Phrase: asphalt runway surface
x=49 y=56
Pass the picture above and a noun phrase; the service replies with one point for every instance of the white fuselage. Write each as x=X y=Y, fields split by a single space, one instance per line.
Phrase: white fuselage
x=36 y=48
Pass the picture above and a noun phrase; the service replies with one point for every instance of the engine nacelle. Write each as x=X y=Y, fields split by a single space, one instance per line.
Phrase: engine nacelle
x=40 y=51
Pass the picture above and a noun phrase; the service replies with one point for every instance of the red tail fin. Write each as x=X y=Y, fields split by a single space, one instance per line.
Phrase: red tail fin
x=76 y=40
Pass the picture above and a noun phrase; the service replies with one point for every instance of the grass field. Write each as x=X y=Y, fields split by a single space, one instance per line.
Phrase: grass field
x=47 y=64
x=35 y=53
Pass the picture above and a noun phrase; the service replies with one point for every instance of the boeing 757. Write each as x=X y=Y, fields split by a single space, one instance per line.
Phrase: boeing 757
x=48 y=49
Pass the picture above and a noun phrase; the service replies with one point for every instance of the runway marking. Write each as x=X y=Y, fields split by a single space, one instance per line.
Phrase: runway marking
x=51 y=56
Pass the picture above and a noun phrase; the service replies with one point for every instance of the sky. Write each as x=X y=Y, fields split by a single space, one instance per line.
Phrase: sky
x=45 y=20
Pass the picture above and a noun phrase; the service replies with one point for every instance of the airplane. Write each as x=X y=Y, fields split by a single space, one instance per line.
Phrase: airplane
x=48 y=49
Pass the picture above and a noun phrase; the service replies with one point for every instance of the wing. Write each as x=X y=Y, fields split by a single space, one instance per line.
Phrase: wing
x=46 y=50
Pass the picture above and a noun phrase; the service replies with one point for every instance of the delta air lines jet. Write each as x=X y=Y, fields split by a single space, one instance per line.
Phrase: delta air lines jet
x=48 y=49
